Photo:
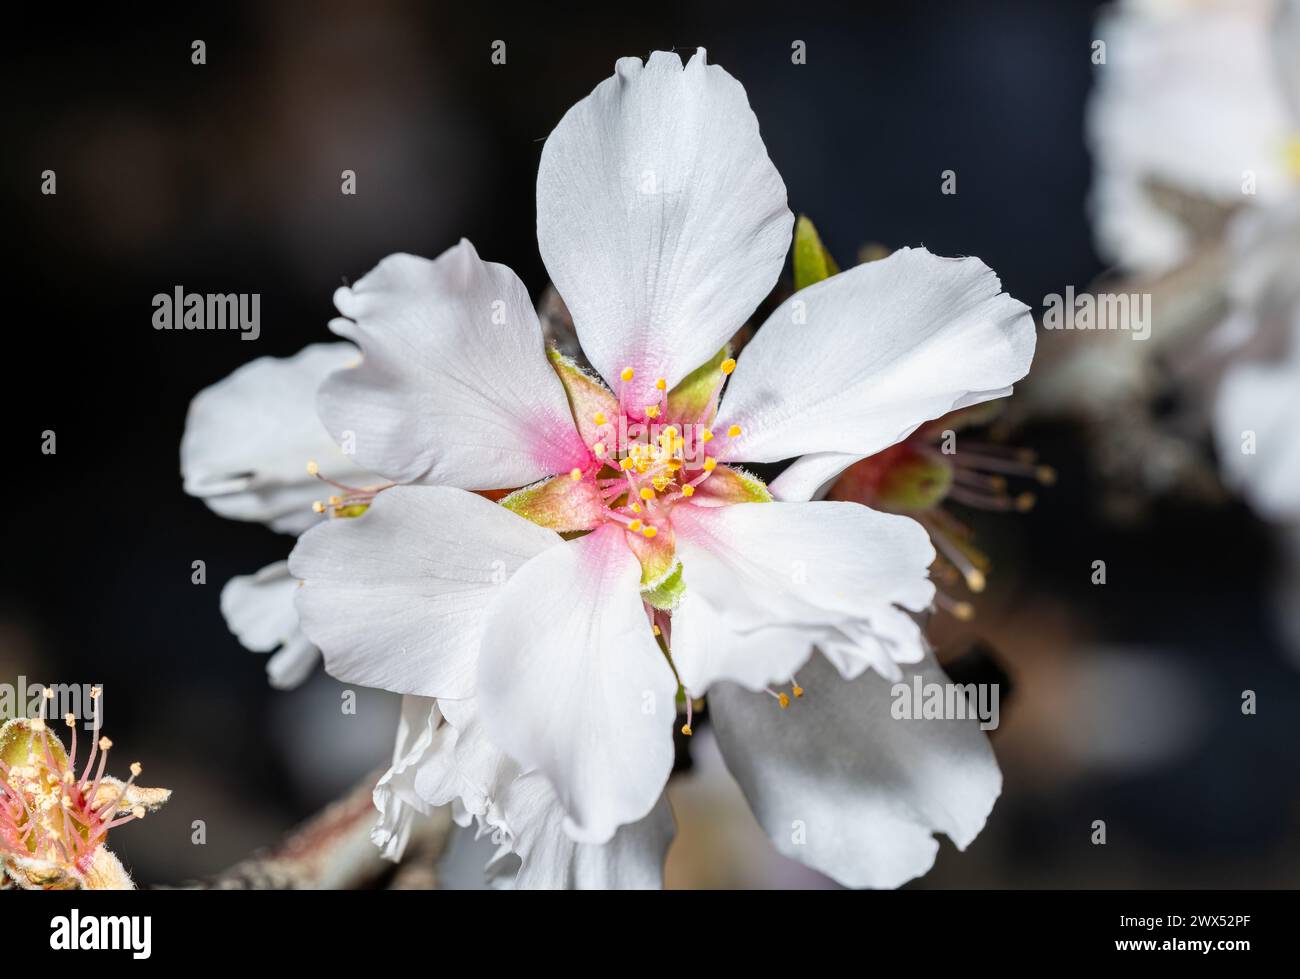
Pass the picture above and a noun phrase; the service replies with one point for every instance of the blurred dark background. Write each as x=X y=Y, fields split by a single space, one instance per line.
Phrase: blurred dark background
x=225 y=178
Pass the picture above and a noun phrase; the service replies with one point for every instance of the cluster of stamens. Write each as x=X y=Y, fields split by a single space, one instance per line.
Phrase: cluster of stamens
x=640 y=480
x=349 y=501
x=49 y=813
x=980 y=480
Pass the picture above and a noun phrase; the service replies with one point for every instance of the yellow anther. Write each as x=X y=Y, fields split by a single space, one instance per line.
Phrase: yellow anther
x=635 y=526
x=627 y=374
x=95 y=692
x=649 y=532
x=137 y=812
x=671 y=431
x=600 y=418
x=657 y=630
x=647 y=493
x=105 y=744
x=733 y=431
x=318 y=506
x=312 y=468
x=661 y=384
x=710 y=464
x=797 y=690
x=706 y=436
x=335 y=500
x=783 y=699
x=636 y=507
x=575 y=474
x=975 y=580
x=38 y=724
x=598 y=450
x=652 y=411
x=626 y=464
x=136 y=769
x=70 y=719
x=728 y=365
x=688 y=490
x=674 y=464
x=686 y=730
x=660 y=483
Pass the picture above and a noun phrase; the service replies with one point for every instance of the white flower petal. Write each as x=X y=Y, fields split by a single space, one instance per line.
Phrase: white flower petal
x=842 y=786
x=248 y=439
x=292 y=663
x=705 y=649
x=550 y=860
x=572 y=682
x=1256 y=408
x=455 y=387
x=660 y=218
x=809 y=564
x=469 y=769
x=810 y=475
x=395 y=796
x=259 y=610
x=856 y=362
x=880 y=641
x=395 y=598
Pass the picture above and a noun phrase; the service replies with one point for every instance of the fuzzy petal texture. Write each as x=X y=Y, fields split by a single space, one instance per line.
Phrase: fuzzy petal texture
x=802 y=564
x=395 y=598
x=856 y=362
x=842 y=786
x=455 y=387
x=248 y=439
x=660 y=218
x=572 y=682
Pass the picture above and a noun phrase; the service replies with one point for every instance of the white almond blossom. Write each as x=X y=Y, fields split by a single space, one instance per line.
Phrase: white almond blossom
x=543 y=642
x=1199 y=104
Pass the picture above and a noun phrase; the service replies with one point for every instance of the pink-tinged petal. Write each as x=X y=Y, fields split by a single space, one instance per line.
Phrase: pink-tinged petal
x=811 y=564
x=572 y=682
x=843 y=785
x=856 y=362
x=660 y=218
x=454 y=387
x=396 y=598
